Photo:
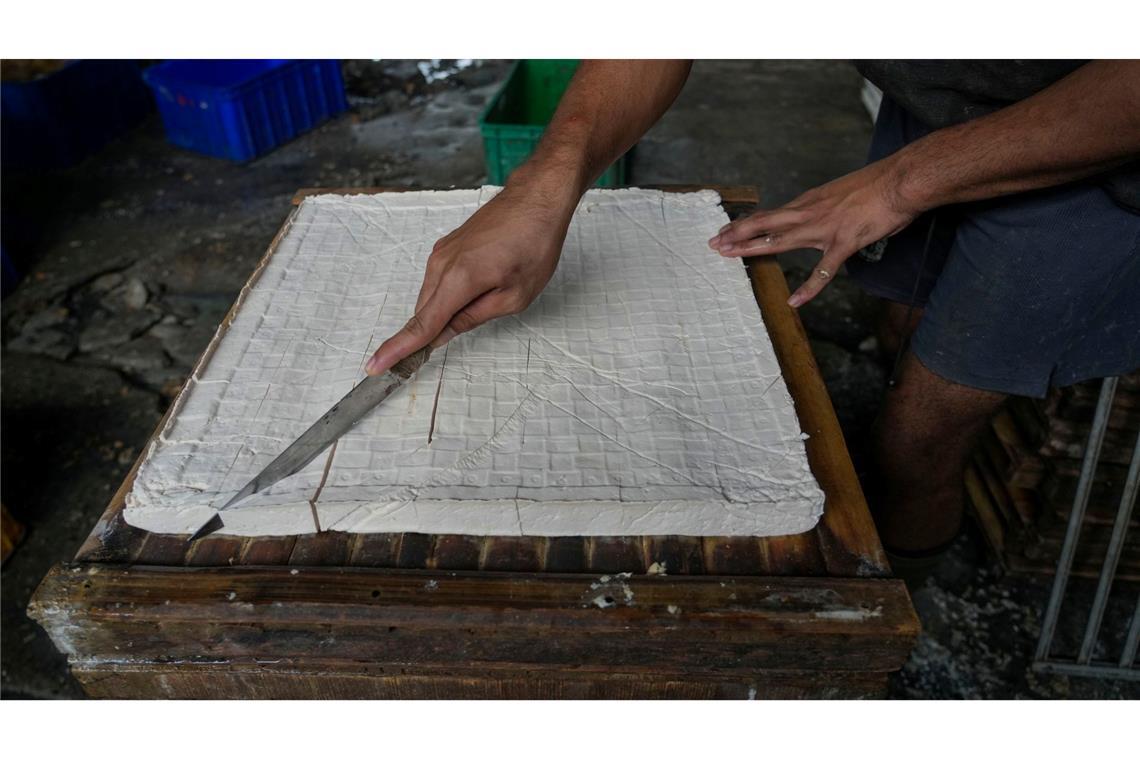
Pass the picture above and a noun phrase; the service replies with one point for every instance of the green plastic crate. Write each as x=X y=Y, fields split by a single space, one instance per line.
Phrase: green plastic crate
x=513 y=121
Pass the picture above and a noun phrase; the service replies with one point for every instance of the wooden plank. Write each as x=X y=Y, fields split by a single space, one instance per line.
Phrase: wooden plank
x=513 y=553
x=112 y=539
x=456 y=552
x=735 y=555
x=268 y=550
x=328 y=548
x=680 y=555
x=324 y=618
x=375 y=550
x=216 y=551
x=847 y=538
x=985 y=510
x=415 y=548
x=565 y=554
x=272 y=681
x=614 y=554
x=795 y=555
x=1010 y=453
x=158 y=548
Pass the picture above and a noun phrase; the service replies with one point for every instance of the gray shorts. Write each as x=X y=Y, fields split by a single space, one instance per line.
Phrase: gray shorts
x=1021 y=292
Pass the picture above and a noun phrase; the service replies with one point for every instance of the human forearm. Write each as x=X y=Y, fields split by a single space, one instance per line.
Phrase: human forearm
x=1077 y=127
x=608 y=106
x=1081 y=125
x=499 y=260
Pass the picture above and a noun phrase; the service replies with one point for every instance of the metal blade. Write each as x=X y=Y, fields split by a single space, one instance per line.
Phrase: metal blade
x=213 y=524
x=332 y=425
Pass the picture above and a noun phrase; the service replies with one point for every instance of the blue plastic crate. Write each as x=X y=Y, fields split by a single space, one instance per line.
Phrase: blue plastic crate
x=243 y=109
x=58 y=119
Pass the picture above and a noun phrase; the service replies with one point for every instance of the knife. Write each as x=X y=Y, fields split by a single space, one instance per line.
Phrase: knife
x=334 y=423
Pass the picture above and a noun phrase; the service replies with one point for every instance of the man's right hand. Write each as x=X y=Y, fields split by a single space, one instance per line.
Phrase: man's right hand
x=503 y=256
x=495 y=264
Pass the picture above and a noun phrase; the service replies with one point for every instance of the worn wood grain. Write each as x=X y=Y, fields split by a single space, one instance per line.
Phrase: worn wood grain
x=276 y=681
x=615 y=554
x=794 y=555
x=456 y=553
x=158 y=548
x=679 y=555
x=415 y=548
x=375 y=550
x=216 y=551
x=513 y=553
x=566 y=554
x=735 y=555
x=268 y=550
x=847 y=538
x=329 y=548
x=663 y=625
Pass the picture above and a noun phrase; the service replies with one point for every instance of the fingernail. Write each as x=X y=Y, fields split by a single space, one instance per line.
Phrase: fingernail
x=713 y=241
x=796 y=301
x=722 y=230
x=373 y=366
x=726 y=248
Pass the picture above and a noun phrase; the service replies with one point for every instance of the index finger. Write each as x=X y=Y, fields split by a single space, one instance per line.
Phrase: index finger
x=733 y=234
x=427 y=323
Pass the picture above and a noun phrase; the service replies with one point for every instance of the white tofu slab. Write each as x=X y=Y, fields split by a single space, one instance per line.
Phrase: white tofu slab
x=639 y=395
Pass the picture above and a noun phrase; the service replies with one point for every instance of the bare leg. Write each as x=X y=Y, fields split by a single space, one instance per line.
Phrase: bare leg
x=895 y=326
x=920 y=442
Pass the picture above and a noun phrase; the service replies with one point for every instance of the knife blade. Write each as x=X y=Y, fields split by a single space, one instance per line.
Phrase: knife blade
x=342 y=417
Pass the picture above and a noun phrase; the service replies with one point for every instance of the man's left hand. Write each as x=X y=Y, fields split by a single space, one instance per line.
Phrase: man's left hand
x=837 y=219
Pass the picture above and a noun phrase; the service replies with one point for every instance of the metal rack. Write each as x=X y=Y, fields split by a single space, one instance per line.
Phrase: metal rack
x=1083 y=664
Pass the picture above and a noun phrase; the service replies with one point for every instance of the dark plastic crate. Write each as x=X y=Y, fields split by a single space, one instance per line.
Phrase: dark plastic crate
x=514 y=120
x=56 y=120
x=243 y=109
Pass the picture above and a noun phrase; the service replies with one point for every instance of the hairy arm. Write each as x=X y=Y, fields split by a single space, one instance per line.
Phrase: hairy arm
x=1082 y=125
x=608 y=106
x=501 y=258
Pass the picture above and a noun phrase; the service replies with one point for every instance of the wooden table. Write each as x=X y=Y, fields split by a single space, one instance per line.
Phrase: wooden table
x=412 y=615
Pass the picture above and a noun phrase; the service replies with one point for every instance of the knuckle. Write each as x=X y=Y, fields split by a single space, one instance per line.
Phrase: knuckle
x=512 y=272
x=516 y=303
x=463 y=322
x=415 y=325
x=749 y=224
x=441 y=243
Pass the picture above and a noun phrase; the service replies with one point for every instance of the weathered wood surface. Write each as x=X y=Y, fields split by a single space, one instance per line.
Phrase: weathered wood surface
x=422 y=616
x=208 y=681
x=846 y=535
x=844 y=544
x=256 y=627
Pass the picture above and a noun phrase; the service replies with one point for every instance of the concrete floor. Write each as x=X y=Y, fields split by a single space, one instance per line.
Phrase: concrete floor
x=134 y=256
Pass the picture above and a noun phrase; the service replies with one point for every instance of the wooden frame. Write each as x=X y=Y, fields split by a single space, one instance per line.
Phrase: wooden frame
x=409 y=615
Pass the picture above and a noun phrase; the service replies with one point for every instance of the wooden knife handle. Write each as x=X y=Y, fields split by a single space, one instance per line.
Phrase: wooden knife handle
x=410 y=365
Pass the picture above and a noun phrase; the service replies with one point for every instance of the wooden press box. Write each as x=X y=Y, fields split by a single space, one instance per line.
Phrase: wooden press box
x=436 y=616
